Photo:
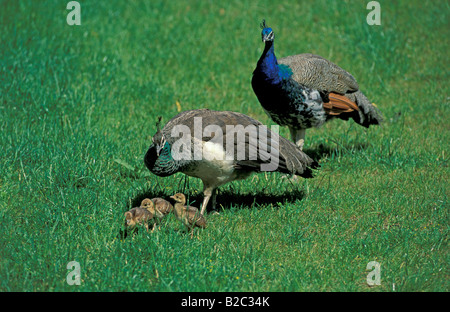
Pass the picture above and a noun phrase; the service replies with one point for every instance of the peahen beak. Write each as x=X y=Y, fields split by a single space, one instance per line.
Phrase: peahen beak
x=160 y=146
x=158 y=150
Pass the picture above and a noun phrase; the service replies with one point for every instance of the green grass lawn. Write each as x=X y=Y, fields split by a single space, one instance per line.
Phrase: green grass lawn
x=78 y=107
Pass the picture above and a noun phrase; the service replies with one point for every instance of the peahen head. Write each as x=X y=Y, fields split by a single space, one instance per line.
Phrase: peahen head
x=158 y=158
x=267 y=34
x=160 y=143
x=158 y=139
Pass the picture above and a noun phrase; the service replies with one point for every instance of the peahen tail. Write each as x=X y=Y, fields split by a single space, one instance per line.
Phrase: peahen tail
x=294 y=161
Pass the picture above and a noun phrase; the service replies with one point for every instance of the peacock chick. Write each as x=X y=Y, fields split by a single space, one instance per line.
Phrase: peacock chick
x=162 y=205
x=188 y=215
x=148 y=204
x=138 y=216
x=157 y=206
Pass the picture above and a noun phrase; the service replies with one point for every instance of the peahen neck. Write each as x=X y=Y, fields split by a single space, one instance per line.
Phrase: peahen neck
x=164 y=164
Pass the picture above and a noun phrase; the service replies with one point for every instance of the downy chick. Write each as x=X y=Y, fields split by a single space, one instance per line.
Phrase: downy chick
x=159 y=207
x=137 y=216
x=188 y=215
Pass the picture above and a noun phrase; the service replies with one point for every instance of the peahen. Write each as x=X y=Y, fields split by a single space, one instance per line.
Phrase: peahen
x=222 y=146
x=305 y=90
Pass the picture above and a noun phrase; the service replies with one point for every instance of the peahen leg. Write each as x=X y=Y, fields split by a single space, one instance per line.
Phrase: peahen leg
x=207 y=192
x=214 y=196
x=298 y=136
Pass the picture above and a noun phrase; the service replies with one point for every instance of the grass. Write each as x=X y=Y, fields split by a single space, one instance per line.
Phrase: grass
x=78 y=106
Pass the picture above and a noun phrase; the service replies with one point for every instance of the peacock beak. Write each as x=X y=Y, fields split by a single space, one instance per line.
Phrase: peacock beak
x=268 y=37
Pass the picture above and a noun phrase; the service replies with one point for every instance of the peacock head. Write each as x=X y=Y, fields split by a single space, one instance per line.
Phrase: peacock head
x=267 y=34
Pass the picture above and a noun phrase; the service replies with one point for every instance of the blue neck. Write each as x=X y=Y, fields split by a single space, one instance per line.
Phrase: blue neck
x=268 y=65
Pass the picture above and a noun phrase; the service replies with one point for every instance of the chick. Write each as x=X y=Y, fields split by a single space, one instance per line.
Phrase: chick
x=188 y=215
x=148 y=205
x=162 y=205
x=137 y=216
x=157 y=206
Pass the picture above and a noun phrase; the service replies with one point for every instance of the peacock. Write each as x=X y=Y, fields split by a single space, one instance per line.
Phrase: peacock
x=222 y=146
x=306 y=90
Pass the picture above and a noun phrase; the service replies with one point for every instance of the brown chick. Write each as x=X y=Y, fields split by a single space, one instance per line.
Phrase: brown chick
x=188 y=215
x=137 y=216
x=162 y=205
x=148 y=205
x=158 y=206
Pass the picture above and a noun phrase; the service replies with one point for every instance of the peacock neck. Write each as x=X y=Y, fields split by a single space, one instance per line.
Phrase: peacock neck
x=268 y=63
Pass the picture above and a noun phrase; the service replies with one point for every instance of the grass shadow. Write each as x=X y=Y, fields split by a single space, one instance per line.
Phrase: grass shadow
x=227 y=198
x=326 y=150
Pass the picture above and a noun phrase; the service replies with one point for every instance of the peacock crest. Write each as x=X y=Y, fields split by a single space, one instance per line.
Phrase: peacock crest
x=263 y=24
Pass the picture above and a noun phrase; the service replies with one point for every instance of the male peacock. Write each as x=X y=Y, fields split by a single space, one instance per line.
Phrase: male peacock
x=219 y=147
x=305 y=90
